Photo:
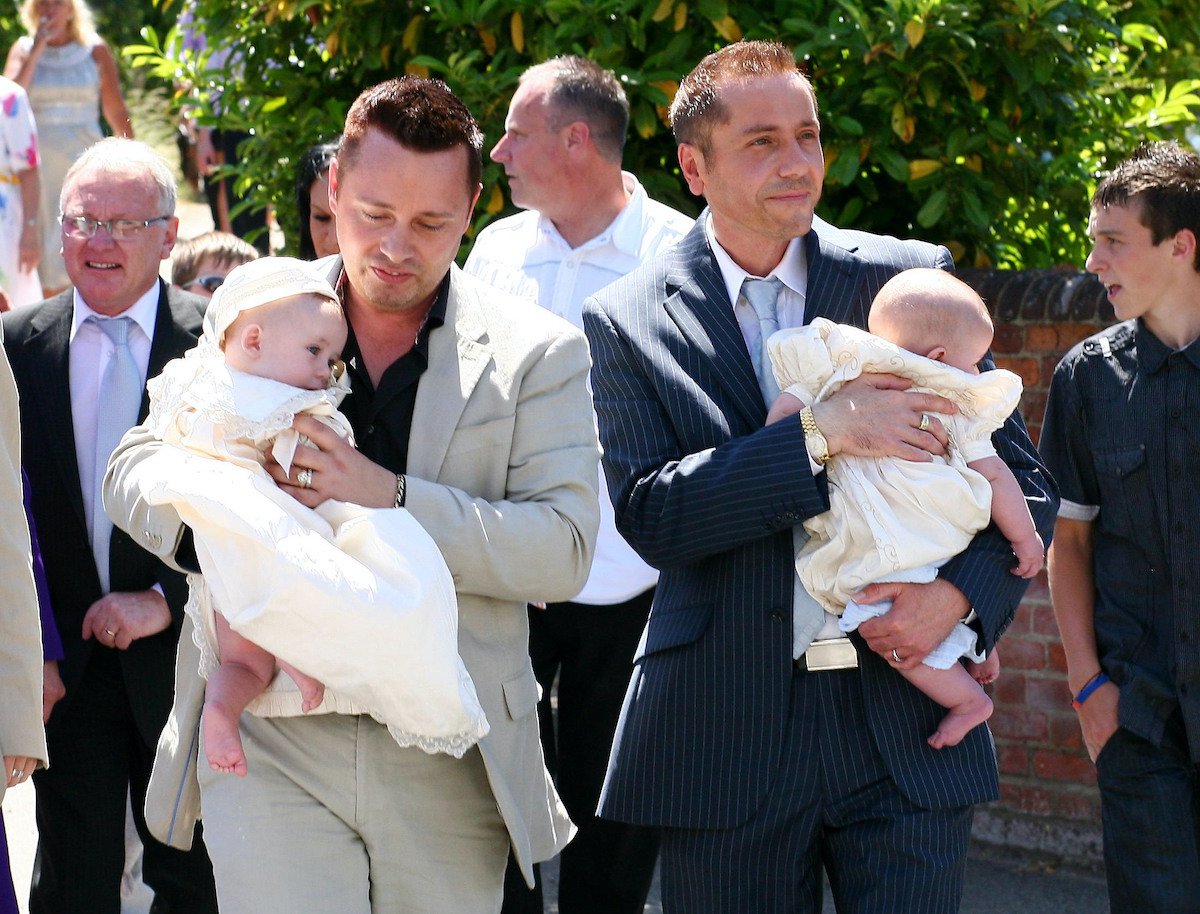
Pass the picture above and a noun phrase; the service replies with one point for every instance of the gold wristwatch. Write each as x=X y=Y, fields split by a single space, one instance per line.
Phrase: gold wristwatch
x=818 y=447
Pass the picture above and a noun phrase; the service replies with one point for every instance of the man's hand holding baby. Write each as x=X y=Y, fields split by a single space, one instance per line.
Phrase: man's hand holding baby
x=333 y=469
x=875 y=415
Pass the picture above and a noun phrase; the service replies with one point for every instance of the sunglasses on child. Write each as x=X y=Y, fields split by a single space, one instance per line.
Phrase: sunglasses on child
x=207 y=283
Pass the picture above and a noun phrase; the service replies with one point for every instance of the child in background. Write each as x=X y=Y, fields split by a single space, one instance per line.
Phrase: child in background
x=200 y=264
x=897 y=520
x=360 y=599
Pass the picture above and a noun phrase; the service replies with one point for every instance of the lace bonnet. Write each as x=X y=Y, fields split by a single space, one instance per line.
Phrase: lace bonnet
x=257 y=283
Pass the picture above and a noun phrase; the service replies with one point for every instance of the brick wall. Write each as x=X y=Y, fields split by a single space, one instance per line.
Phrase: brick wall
x=1048 y=802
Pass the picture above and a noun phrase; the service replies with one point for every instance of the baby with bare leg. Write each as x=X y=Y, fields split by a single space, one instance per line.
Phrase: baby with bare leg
x=897 y=520
x=296 y=340
x=359 y=597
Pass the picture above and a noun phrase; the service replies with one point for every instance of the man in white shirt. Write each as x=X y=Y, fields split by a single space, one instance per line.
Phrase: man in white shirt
x=586 y=223
x=80 y=361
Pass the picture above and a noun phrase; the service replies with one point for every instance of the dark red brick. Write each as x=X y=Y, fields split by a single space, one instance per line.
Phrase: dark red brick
x=1009 y=339
x=1060 y=766
x=1019 y=723
x=1009 y=689
x=1023 y=654
x=1013 y=760
x=1047 y=694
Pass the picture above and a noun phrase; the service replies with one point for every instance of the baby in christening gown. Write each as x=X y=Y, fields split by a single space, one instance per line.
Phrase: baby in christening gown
x=359 y=599
x=896 y=520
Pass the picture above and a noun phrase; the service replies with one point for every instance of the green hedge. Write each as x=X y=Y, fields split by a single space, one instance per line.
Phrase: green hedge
x=976 y=123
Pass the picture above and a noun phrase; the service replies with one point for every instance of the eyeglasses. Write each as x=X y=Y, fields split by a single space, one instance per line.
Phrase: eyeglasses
x=84 y=227
x=207 y=283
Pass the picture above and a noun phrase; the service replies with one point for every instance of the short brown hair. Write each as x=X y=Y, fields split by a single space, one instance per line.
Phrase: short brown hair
x=419 y=114
x=225 y=249
x=1163 y=180
x=582 y=90
x=698 y=107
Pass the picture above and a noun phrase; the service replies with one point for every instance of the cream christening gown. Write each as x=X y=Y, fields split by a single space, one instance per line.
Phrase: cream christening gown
x=358 y=598
x=892 y=519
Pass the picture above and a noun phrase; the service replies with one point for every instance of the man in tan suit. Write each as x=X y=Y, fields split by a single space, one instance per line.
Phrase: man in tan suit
x=469 y=409
x=22 y=738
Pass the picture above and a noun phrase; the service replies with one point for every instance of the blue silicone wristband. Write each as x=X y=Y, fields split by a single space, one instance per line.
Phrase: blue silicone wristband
x=1086 y=692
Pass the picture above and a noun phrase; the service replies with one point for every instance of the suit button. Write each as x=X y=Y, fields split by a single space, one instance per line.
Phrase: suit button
x=776 y=616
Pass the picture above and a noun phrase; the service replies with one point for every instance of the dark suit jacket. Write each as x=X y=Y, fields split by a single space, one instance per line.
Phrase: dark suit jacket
x=708 y=495
x=36 y=340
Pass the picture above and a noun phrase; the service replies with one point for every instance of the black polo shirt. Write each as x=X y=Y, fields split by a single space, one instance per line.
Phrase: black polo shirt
x=1122 y=437
x=382 y=418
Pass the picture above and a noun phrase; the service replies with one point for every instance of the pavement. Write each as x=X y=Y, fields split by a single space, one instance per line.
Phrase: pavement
x=999 y=881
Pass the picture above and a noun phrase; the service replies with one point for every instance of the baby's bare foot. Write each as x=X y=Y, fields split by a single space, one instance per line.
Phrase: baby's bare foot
x=222 y=741
x=988 y=671
x=312 y=691
x=961 y=721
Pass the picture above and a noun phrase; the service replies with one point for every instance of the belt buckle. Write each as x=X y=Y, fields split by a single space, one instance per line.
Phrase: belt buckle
x=830 y=654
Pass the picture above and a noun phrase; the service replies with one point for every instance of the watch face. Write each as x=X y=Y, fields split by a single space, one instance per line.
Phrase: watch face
x=817 y=446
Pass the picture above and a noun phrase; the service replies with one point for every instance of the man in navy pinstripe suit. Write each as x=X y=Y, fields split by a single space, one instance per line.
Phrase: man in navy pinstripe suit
x=764 y=747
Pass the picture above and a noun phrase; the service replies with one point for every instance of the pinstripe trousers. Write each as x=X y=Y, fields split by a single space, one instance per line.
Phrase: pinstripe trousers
x=831 y=804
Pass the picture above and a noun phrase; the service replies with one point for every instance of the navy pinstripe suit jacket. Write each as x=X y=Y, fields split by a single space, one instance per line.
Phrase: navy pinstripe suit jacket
x=708 y=495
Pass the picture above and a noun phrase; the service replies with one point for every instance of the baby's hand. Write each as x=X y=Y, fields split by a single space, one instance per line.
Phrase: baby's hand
x=785 y=405
x=1031 y=556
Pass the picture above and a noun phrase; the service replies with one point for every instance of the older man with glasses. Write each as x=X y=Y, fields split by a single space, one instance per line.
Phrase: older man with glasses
x=81 y=360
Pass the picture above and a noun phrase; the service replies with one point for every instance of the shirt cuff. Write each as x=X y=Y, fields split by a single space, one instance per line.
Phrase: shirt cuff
x=1072 y=510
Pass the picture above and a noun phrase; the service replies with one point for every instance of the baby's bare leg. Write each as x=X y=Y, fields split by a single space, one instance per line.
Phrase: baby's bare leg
x=312 y=691
x=988 y=670
x=245 y=671
x=955 y=690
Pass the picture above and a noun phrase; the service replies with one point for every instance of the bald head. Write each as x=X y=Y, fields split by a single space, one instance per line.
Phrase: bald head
x=934 y=314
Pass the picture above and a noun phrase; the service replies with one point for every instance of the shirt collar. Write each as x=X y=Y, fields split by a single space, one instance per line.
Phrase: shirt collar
x=624 y=233
x=436 y=317
x=1152 y=353
x=144 y=311
x=792 y=269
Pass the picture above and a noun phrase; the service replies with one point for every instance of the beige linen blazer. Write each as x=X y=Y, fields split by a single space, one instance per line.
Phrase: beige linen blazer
x=21 y=731
x=502 y=473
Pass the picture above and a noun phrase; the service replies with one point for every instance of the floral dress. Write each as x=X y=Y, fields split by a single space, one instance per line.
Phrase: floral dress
x=19 y=153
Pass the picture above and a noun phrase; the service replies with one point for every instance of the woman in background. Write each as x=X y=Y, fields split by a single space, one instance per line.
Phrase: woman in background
x=20 y=245
x=70 y=75
x=318 y=231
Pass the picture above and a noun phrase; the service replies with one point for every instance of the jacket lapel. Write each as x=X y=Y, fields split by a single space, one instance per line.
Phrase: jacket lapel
x=833 y=276
x=458 y=354
x=50 y=400
x=176 y=329
x=698 y=303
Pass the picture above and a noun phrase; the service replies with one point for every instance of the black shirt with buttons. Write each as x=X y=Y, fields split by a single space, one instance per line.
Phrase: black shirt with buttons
x=382 y=418
x=1122 y=435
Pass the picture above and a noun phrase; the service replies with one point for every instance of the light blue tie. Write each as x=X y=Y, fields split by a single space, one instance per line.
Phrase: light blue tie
x=763 y=296
x=116 y=413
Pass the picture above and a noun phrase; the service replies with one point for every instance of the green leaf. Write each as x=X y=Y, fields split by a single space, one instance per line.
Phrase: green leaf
x=894 y=164
x=934 y=209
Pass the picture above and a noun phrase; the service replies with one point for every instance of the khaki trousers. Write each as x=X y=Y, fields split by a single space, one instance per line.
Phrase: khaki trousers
x=335 y=818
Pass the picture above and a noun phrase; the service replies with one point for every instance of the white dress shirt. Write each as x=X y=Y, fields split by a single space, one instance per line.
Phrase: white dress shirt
x=792 y=271
x=90 y=350
x=525 y=255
